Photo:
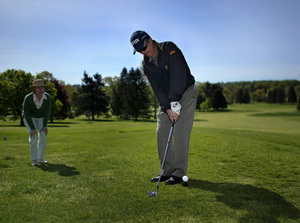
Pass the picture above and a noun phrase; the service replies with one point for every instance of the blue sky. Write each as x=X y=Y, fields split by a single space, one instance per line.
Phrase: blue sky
x=222 y=40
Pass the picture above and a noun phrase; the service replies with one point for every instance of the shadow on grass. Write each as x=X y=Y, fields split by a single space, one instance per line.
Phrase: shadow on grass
x=62 y=169
x=200 y=120
x=61 y=124
x=17 y=125
x=261 y=204
x=277 y=114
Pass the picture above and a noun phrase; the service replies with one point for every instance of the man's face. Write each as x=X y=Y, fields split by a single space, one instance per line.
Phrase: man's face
x=150 y=50
x=39 y=90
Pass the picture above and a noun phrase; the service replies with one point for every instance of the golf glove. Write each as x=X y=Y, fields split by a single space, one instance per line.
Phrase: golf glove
x=175 y=107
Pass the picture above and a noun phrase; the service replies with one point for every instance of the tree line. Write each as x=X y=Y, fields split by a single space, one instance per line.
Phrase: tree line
x=129 y=96
x=273 y=92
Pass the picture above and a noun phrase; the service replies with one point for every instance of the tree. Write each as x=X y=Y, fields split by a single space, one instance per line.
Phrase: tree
x=297 y=90
x=46 y=75
x=214 y=92
x=291 y=94
x=218 y=100
x=91 y=98
x=239 y=95
x=270 y=96
x=276 y=95
x=153 y=101
x=246 y=96
x=201 y=94
x=280 y=95
x=5 y=89
x=131 y=96
x=15 y=85
x=118 y=96
x=206 y=105
x=64 y=98
x=138 y=101
x=259 y=95
x=228 y=95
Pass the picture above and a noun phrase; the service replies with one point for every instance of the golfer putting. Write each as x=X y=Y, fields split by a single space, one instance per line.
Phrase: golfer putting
x=174 y=87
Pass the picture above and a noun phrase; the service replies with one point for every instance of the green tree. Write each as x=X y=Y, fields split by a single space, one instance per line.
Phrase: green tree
x=201 y=94
x=206 y=105
x=15 y=85
x=218 y=100
x=46 y=75
x=56 y=109
x=153 y=101
x=131 y=97
x=239 y=95
x=5 y=89
x=276 y=95
x=228 y=95
x=297 y=90
x=270 y=96
x=64 y=98
x=118 y=95
x=246 y=96
x=203 y=106
x=259 y=95
x=280 y=95
x=138 y=100
x=91 y=98
x=291 y=94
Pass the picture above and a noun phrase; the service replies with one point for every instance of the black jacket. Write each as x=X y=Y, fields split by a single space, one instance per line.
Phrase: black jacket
x=172 y=78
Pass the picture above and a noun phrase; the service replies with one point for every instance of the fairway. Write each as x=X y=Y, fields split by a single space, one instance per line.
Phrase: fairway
x=243 y=167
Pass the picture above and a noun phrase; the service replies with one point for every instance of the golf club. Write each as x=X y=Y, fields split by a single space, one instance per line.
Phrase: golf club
x=153 y=194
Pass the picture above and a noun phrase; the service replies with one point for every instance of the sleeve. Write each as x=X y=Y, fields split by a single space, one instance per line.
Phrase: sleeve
x=161 y=96
x=47 y=111
x=178 y=72
x=26 y=111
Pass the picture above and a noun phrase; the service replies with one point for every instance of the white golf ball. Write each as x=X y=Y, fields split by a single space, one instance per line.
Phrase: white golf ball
x=185 y=178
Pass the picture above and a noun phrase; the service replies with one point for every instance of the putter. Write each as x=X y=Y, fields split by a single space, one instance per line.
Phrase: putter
x=153 y=194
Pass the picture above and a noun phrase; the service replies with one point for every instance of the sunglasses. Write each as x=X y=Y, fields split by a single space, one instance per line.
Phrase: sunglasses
x=145 y=47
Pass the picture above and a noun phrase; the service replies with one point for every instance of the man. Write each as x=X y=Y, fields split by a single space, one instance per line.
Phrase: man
x=171 y=80
x=36 y=110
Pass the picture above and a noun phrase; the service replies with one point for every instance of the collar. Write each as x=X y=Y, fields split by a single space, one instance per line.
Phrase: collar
x=35 y=98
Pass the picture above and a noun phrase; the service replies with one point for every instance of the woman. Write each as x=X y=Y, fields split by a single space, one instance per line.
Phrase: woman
x=36 y=111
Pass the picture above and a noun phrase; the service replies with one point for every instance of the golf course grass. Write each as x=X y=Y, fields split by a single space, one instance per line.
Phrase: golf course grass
x=244 y=166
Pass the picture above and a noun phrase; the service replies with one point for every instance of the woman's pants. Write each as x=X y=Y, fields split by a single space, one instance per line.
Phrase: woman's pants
x=37 y=143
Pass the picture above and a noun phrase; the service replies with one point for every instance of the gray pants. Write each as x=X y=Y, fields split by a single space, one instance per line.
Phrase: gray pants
x=176 y=162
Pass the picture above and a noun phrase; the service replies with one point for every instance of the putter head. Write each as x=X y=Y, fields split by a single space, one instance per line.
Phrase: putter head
x=152 y=194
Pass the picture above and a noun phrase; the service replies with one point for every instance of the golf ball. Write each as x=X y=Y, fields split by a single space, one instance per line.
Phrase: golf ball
x=185 y=178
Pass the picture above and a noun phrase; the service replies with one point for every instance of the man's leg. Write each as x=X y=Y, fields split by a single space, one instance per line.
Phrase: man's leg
x=183 y=130
x=41 y=146
x=32 y=141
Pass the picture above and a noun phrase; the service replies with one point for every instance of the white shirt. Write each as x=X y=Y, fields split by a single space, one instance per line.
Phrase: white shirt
x=38 y=103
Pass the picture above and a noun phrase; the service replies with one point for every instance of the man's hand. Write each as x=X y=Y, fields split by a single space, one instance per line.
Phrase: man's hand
x=174 y=112
x=33 y=133
x=172 y=115
x=175 y=107
x=45 y=130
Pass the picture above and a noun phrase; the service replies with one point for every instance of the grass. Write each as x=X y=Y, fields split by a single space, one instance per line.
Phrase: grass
x=243 y=167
